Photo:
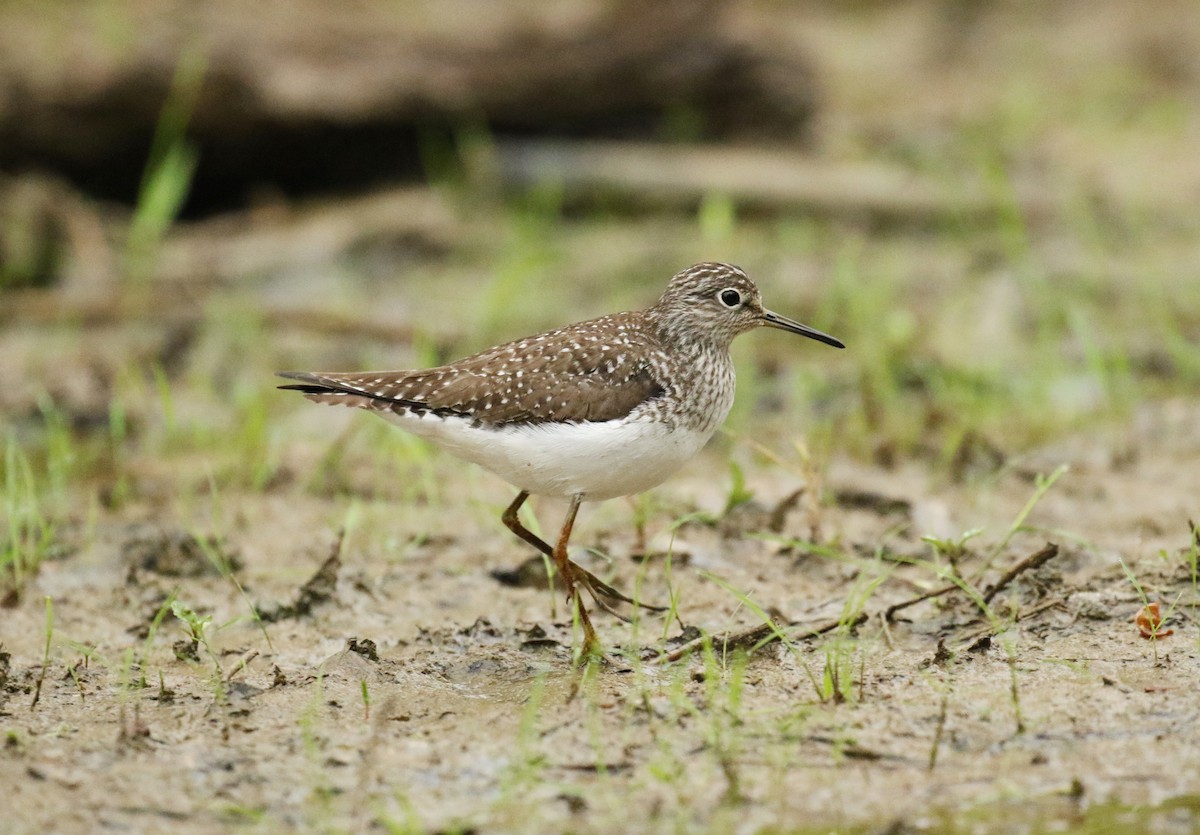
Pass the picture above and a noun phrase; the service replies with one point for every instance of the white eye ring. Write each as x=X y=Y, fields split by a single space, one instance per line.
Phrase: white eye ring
x=729 y=297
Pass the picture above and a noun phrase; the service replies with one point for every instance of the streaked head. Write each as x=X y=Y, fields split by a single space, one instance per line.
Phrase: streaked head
x=715 y=301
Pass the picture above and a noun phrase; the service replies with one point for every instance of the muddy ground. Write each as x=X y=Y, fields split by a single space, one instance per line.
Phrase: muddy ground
x=420 y=692
x=910 y=604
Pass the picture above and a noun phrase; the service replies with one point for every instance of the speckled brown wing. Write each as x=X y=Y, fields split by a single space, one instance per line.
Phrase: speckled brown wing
x=592 y=371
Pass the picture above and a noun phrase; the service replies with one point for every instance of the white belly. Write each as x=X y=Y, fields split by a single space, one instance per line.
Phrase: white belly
x=600 y=460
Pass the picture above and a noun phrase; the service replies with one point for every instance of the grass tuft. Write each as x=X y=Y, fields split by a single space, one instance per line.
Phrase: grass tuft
x=28 y=528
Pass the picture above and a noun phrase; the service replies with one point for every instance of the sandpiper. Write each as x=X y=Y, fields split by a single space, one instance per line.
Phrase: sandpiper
x=603 y=408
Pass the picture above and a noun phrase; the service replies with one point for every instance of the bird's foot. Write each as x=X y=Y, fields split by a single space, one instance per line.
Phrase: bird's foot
x=602 y=593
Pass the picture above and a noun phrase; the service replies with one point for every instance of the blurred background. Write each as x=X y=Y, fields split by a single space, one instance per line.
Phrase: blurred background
x=993 y=203
x=996 y=205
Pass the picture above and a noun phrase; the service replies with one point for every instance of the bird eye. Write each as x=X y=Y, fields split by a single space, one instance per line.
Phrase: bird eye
x=730 y=297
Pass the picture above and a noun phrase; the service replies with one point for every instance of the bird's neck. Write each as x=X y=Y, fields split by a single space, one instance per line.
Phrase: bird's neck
x=683 y=338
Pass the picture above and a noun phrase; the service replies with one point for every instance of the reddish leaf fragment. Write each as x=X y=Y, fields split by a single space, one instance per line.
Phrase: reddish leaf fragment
x=1149 y=622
